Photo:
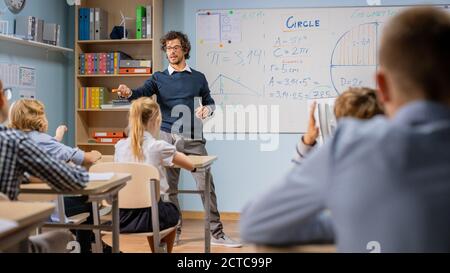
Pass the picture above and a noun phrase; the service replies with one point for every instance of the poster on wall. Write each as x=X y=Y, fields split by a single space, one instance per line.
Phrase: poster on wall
x=27 y=77
x=20 y=78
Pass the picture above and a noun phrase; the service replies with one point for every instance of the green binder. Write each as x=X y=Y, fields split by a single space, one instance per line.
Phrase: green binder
x=140 y=13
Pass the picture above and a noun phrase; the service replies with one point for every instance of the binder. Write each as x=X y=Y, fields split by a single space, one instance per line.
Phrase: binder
x=85 y=98
x=144 y=28
x=102 y=94
x=80 y=98
x=25 y=27
x=135 y=63
x=95 y=63
x=82 y=64
x=111 y=140
x=101 y=24
x=141 y=70
x=88 y=63
x=102 y=63
x=91 y=24
x=148 y=10
x=80 y=24
x=51 y=33
x=116 y=63
x=39 y=34
x=86 y=23
x=108 y=134
x=140 y=12
x=88 y=97
x=109 y=63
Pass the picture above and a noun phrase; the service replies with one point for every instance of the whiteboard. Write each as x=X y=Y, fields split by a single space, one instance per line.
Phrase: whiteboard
x=285 y=57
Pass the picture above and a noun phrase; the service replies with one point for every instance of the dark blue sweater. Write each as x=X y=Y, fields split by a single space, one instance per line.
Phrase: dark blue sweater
x=180 y=88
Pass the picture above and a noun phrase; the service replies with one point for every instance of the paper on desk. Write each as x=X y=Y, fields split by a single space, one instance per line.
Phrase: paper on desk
x=100 y=176
x=7 y=225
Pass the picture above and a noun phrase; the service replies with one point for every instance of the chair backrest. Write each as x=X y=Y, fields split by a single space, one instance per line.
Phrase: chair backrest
x=136 y=194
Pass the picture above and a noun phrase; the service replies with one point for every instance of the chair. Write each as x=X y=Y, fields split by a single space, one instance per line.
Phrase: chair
x=75 y=219
x=142 y=191
x=105 y=207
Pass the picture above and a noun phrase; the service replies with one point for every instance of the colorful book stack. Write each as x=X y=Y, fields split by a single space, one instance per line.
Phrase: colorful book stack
x=92 y=24
x=92 y=97
x=110 y=137
x=143 y=22
x=101 y=63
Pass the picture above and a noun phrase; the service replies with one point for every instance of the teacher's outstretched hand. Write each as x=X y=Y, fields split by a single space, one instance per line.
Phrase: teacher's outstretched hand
x=124 y=91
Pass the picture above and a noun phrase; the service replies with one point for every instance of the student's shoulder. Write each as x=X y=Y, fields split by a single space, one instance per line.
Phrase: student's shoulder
x=352 y=132
x=161 y=145
x=121 y=144
x=362 y=128
x=41 y=137
x=14 y=137
x=13 y=134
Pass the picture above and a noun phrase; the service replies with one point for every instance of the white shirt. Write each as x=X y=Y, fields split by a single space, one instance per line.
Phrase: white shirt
x=186 y=68
x=156 y=152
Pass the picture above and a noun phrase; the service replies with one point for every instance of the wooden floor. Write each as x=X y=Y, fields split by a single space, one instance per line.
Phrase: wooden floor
x=192 y=241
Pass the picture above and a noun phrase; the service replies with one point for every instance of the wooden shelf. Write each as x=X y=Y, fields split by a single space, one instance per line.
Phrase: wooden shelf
x=104 y=110
x=121 y=41
x=112 y=75
x=34 y=44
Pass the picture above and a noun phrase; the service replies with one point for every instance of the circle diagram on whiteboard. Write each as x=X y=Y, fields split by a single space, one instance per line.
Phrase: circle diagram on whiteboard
x=354 y=57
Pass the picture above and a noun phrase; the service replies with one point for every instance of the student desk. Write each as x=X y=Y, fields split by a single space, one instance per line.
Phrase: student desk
x=96 y=191
x=203 y=163
x=21 y=219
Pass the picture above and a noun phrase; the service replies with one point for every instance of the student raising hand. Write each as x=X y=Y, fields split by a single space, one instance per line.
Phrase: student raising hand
x=313 y=132
x=60 y=131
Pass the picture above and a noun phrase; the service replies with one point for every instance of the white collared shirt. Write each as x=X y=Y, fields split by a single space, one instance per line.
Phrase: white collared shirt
x=186 y=68
x=156 y=152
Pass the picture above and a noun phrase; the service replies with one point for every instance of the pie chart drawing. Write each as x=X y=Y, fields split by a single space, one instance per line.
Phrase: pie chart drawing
x=354 y=60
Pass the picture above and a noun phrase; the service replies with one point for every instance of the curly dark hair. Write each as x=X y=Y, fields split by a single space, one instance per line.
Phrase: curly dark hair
x=184 y=40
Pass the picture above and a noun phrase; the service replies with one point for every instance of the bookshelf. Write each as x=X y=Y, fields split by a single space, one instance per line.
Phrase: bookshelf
x=89 y=120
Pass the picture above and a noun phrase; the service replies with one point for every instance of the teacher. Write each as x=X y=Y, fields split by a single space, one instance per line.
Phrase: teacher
x=176 y=88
